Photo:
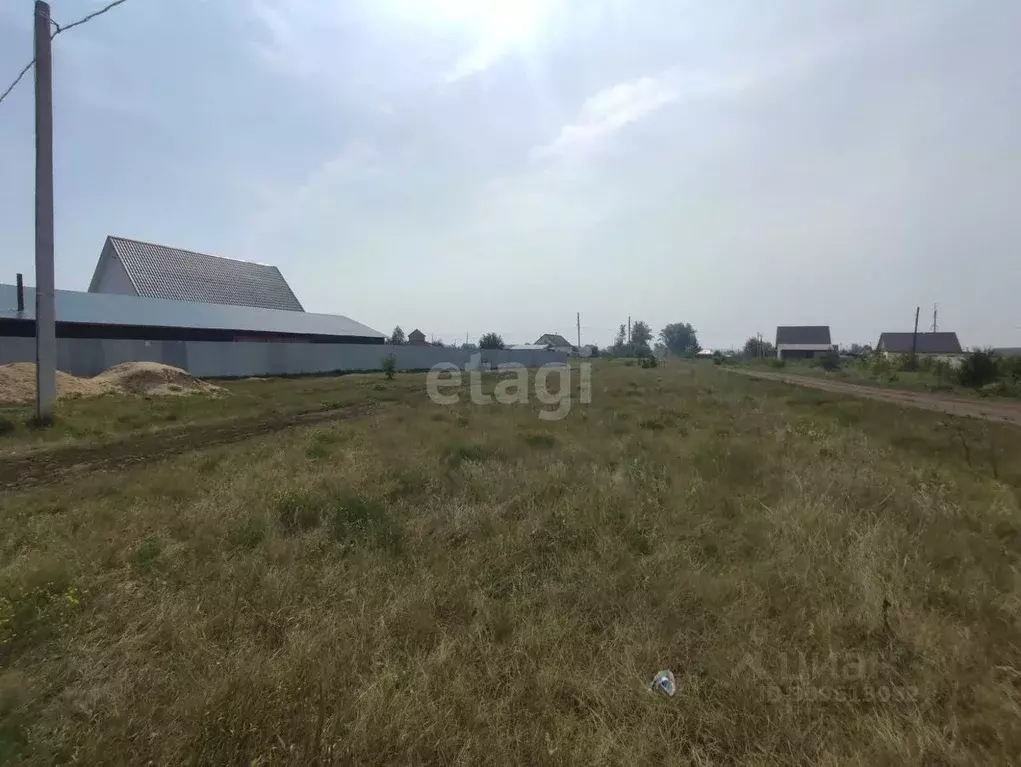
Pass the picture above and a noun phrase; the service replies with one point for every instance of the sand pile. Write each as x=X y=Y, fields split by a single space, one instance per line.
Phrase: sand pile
x=153 y=379
x=17 y=382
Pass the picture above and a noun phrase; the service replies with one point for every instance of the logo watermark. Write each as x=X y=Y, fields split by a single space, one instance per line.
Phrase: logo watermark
x=551 y=385
x=834 y=677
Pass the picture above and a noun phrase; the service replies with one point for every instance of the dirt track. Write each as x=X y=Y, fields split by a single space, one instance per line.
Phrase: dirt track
x=989 y=410
x=47 y=466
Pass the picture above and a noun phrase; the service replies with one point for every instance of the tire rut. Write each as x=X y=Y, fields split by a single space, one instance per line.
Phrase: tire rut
x=49 y=466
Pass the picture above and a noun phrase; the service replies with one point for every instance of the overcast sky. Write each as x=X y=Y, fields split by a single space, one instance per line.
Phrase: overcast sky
x=469 y=165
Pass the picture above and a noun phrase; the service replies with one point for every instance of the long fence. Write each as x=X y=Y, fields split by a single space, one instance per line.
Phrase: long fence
x=212 y=359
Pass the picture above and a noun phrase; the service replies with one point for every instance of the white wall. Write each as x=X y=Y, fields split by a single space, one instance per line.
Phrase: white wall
x=112 y=277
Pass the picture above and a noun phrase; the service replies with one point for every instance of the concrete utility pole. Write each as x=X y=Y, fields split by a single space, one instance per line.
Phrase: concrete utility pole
x=579 y=331
x=935 y=309
x=45 y=315
x=629 y=330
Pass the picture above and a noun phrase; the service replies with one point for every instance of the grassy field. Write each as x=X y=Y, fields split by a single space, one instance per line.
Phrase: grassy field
x=830 y=580
x=928 y=378
x=111 y=417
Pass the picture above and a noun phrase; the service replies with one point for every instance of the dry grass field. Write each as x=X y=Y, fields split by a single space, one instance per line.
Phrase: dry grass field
x=831 y=581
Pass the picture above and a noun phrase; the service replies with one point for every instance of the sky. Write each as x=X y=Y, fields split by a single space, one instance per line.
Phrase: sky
x=464 y=166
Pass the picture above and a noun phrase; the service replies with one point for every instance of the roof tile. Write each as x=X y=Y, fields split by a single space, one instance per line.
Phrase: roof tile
x=158 y=271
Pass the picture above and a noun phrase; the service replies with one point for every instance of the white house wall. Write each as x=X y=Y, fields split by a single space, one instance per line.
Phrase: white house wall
x=802 y=348
x=113 y=277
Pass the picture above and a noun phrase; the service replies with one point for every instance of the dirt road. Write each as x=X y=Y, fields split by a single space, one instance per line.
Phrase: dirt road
x=47 y=466
x=989 y=410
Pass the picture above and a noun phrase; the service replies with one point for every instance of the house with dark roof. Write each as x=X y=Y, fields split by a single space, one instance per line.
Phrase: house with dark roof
x=417 y=337
x=802 y=341
x=556 y=341
x=923 y=344
x=135 y=268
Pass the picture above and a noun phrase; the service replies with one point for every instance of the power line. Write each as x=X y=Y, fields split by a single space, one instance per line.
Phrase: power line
x=90 y=17
x=17 y=80
x=58 y=30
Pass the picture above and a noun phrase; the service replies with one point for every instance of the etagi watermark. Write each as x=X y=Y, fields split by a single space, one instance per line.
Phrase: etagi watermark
x=514 y=385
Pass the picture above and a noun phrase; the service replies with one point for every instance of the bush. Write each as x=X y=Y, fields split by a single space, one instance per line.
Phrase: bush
x=1010 y=369
x=830 y=361
x=778 y=363
x=649 y=362
x=978 y=369
x=7 y=426
x=389 y=364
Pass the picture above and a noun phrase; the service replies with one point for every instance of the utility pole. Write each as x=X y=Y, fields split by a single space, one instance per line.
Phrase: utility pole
x=935 y=309
x=629 y=330
x=914 y=337
x=579 y=332
x=45 y=315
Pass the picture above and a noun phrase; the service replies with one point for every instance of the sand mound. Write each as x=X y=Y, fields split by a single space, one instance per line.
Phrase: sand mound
x=153 y=379
x=17 y=382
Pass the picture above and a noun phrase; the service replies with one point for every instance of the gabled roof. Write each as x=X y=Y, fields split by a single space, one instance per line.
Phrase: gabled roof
x=157 y=271
x=416 y=332
x=808 y=335
x=928 y=343
x=115 y=309
x=553 y=339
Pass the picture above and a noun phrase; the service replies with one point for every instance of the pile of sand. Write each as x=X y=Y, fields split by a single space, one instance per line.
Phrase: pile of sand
x=17 y=382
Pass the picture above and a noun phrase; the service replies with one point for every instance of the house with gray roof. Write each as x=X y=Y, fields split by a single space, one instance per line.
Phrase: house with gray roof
x=802 y=341
x=924 y=344
x=556 y=341
x=146 y=270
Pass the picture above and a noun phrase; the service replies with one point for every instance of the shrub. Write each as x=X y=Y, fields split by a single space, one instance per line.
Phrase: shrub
x=6 y=426
x=1010 y=369
x=830 y=361
x=389 y=364
x=978 y=369
x=778 y=363
x=650 y=361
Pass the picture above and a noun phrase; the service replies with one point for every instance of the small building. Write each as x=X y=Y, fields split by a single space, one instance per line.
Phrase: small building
x=417 y=338
x=939 y=344
x=557 y=342
x=802 y=341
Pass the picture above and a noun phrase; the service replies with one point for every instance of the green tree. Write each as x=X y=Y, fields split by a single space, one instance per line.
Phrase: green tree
x=641 y=334
x=680 y=338
x=619 y=347
x=754 y=347
x=491 y=341
x=397 y=337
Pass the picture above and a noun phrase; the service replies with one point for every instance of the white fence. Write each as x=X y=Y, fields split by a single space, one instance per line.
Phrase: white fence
x=212 y=359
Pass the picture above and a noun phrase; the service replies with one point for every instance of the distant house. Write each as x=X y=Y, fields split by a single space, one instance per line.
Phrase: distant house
x=417 y=337
x=926 y=344
x=558 y=342
x=1008 y=351
x=802 y=341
